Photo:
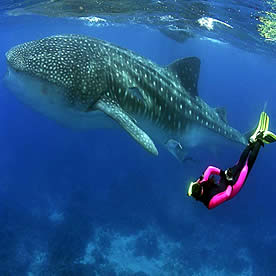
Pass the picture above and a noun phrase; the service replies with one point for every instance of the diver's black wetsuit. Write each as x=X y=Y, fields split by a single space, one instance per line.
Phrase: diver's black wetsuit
x=249 y=154
x=231 y=181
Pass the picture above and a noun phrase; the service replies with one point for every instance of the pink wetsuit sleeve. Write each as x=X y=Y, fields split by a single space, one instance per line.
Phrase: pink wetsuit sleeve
x=210 y=170
x=220 y=198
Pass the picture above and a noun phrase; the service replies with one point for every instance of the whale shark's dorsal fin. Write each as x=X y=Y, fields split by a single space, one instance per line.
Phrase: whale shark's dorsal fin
x=222 y=113
x=111 y=108
x=187 y=70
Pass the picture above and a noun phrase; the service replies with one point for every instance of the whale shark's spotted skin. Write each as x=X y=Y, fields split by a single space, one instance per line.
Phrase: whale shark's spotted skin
x=89 y=75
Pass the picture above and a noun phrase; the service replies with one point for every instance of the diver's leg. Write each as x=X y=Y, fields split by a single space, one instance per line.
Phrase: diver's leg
x=242 y=174
x=253 y=154
x=238 y=167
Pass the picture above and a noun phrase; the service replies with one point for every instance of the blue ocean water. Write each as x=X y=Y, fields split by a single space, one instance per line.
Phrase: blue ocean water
x=95 y=203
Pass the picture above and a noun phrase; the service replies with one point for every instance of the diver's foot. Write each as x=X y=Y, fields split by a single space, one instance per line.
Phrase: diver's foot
x=268 y=137
x=257 y=136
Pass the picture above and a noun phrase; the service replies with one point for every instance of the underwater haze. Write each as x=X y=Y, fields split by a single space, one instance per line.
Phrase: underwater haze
x=94 y=202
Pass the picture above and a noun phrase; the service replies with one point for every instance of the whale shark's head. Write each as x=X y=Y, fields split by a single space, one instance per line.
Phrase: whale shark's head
x=23 y=57
x=62 y=69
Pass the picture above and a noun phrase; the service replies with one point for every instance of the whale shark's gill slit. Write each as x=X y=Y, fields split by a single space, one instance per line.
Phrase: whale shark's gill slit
x=135 y=92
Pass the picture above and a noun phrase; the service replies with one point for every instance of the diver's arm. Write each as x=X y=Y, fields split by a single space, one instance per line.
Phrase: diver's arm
x=220 y=197
x=209 y=171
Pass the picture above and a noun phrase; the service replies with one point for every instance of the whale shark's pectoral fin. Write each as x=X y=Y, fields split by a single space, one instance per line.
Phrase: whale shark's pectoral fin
x=113 y=109
x=176 y=149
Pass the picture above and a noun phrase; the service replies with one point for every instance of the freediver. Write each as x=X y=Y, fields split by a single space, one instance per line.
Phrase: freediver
x=212 y=193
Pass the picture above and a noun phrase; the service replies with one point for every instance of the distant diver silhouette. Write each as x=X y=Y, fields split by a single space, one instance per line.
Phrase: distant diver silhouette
x=212 y=194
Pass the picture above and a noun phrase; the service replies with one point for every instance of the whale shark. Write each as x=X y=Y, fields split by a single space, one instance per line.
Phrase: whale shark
x=85 y=82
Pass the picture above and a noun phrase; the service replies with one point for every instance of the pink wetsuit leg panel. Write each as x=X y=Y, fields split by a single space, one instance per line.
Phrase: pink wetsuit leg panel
x=238 y=185
x=220 y=198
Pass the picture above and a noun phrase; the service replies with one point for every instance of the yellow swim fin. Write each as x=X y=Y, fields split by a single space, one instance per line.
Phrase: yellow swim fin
x=268 y=137
x=261 y=127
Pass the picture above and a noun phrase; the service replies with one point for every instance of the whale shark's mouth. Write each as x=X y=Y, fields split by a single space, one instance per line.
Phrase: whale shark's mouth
x=48 y=99
x=10 y=78
x=33 y=91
